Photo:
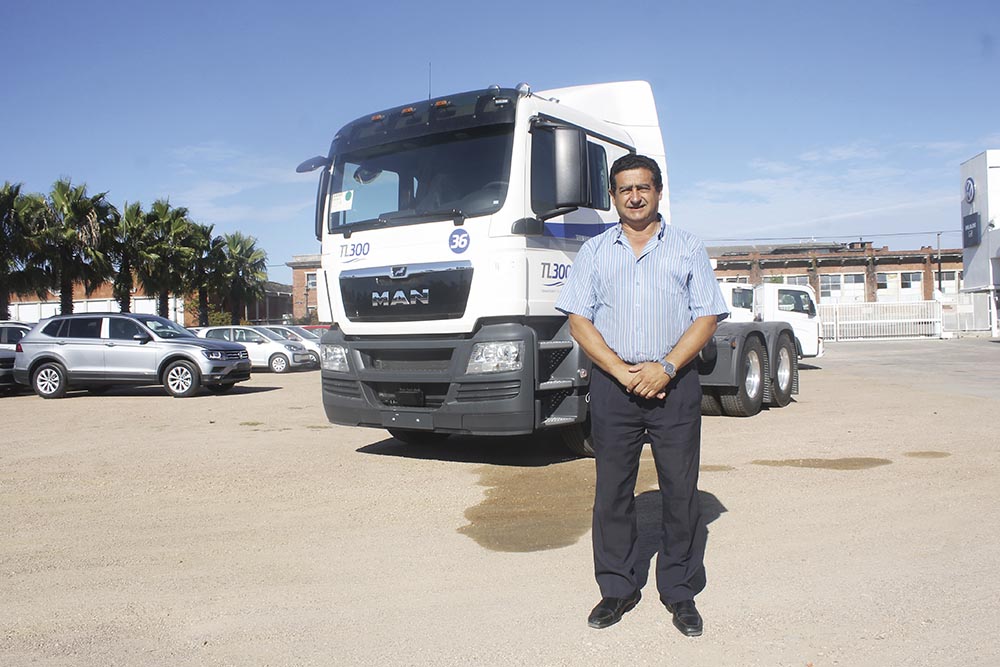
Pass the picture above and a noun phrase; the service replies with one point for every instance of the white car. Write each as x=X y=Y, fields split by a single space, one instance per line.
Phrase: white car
x=289 y=332
x=267 y=349
x=11 y=332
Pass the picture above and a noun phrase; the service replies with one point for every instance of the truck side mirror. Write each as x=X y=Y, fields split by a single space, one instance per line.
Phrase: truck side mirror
x=571 y=177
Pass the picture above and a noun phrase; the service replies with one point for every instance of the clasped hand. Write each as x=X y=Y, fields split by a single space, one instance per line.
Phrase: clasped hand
x=646 y=379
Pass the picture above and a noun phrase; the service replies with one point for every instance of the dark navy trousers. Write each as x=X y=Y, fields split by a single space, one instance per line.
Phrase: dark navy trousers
x=620 y=425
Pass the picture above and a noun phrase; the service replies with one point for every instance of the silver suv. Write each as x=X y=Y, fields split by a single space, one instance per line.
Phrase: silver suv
x=95 y=350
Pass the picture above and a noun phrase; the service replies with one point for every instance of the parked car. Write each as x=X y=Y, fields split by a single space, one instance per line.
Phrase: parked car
x=96 y=350
x=267 y=349
x=11 y=332
x=7 y=370
x=309 y=339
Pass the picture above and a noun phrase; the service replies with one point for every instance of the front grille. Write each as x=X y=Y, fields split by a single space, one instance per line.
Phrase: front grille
x=236 y=355
x=345 y=388
x=412 y=395
x=408 y=361
x=488 y=391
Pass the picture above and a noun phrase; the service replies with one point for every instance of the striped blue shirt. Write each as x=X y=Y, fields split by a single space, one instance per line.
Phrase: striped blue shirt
x=642 y=305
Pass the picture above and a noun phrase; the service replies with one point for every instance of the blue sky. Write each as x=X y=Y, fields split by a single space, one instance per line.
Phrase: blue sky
x=785 y=119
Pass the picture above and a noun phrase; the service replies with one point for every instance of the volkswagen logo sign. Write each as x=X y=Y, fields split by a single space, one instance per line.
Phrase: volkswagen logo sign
x=970 y=190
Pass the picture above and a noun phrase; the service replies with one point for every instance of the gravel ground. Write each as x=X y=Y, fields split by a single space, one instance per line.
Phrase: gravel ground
x=857 y=526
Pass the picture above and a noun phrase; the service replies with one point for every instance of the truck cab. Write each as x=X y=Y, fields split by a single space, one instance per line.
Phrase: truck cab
x=774 y=302
x=448 y=227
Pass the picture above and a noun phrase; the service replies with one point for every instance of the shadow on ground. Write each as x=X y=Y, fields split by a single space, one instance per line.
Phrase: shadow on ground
x=521 y=451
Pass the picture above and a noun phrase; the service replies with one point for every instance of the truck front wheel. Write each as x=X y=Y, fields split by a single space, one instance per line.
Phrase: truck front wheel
x=747 y=397
x=578 y=439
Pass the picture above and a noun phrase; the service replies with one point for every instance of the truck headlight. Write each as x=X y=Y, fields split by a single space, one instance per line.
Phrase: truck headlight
x=496 y=357
x=333 y=358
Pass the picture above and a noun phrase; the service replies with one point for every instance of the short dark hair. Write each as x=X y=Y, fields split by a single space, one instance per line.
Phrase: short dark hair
x=634 y=161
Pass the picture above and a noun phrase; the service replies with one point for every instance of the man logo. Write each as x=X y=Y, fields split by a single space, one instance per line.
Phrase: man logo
x=399 y=272
x=400 y=298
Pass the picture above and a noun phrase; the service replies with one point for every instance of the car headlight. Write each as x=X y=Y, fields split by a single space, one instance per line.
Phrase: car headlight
x=333 y=358
x=292 y=348
x=496 y=357
x=214 y=355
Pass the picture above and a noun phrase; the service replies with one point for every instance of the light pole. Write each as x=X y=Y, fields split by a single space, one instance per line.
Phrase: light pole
x=994 y=332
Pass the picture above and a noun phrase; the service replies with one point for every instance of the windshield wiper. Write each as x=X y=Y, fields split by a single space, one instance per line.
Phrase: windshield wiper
x=455 y=214
x=387 y=219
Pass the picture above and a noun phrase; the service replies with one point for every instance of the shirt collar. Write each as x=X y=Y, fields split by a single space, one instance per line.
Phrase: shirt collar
x=659 y=233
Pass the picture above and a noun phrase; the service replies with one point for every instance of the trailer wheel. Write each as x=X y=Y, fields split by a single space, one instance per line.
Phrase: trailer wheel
x=711 y=406
x=409 y=437
x=578 y=440
x=748 y=396
x=785 y=368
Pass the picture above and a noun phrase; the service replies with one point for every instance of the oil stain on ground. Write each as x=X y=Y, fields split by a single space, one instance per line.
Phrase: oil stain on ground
x=545 y=507
x=927 y=455
x=860 y=463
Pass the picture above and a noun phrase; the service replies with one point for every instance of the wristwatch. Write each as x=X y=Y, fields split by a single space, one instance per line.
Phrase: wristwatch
x=669 y=368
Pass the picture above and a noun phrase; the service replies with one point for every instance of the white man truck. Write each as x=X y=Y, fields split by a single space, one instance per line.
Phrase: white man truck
x=448 y=227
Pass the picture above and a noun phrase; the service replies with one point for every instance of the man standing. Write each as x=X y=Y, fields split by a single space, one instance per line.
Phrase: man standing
x=642 y=301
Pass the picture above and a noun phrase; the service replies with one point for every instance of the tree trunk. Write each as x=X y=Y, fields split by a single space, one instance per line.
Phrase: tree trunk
x=163 y=307
x=4 y=301
x=65 y=294
x=202 y=306
x=236 y=312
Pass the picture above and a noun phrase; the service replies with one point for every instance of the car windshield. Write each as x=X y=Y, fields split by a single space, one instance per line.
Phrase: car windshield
x=305 y=333
x=463 y=173
x=267 y=333
x=165 y=328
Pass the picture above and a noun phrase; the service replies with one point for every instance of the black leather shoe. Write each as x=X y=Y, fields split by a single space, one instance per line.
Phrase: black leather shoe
x=686 y=617
x=609 y=610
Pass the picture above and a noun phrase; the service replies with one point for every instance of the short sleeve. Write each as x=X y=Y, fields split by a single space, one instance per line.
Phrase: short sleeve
x=705 y=297
x=577 y=296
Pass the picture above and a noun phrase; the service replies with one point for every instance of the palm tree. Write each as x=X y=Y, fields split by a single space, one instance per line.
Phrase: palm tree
x=168 y=253
x=129 y=250
x=246 y=271
x=12 y=244
x=207 y=269
x=69 y=239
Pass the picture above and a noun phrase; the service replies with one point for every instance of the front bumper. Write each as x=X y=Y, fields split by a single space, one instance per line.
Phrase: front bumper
x=420 y=383
x=237 y=372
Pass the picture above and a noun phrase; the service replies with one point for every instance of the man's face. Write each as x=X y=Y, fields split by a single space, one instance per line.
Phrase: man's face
x=636 y=198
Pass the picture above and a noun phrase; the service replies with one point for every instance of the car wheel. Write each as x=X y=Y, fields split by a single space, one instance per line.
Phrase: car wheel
x=278 y=363
x=220 y=388
x=181 y=379
x=49 y=380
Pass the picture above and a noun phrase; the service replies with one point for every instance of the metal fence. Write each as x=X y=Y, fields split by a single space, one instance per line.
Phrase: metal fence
x=881 y=321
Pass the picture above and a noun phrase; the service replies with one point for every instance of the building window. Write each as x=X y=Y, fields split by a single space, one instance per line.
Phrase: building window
x=854 y=278
x=311 y=280
x=882 y=281
x=909 y=279
x=828 y=284
x=797 y=280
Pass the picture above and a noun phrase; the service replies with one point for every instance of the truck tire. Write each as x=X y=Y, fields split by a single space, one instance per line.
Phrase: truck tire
x=409 y=437
x=746 y=398
x=578 y=440
x=49 y=380
x=785 y=367
x=711 y=406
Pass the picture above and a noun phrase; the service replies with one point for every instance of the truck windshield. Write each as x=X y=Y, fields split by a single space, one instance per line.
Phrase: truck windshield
x=418 y=179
